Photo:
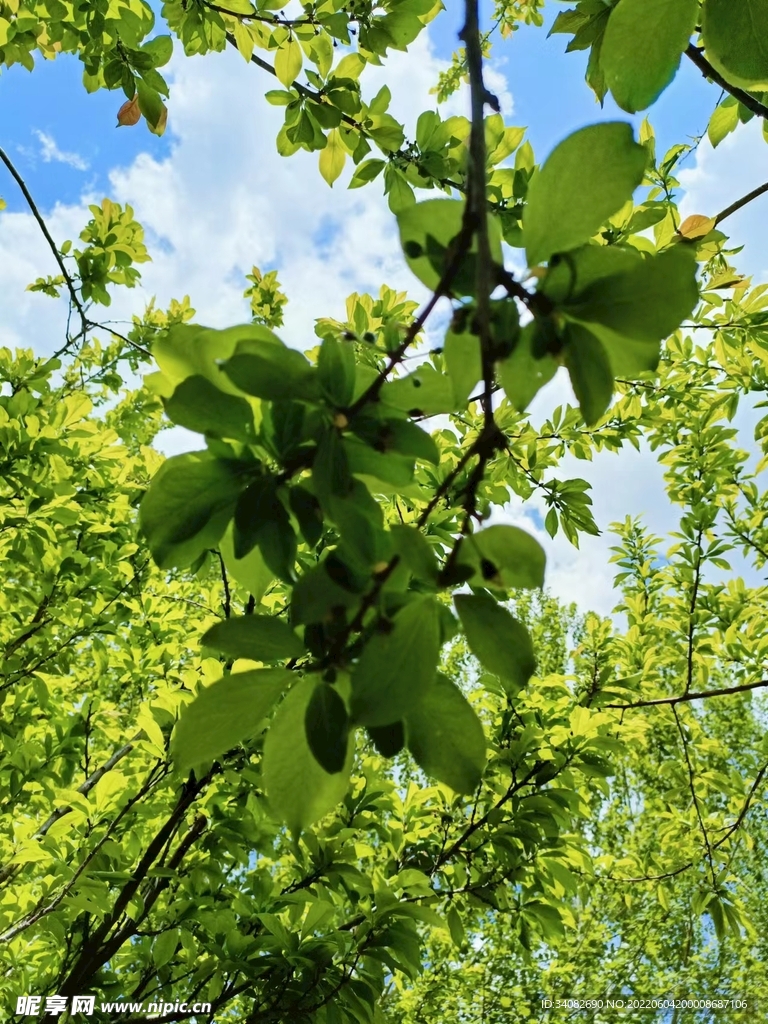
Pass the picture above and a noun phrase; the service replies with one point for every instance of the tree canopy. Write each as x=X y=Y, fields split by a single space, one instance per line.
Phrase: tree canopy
x=290 y=727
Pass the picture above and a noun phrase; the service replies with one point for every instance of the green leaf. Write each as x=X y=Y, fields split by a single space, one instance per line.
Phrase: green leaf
x=299 y=790
x=463 y=362
x=425 y=390
x=271 y=370
x=261 y=518
x=250 y=572
x=224 y=714
x=336 y=370
x=499 y=642
x=406 y=438
x=724 y=120
x=456 y=928
x=388 y=740
x=387 y=466
x=332 y=157
x=647 y=302
x=642 y=46
x=258 y=637
x=503 y=557
x=150 y=103
x=288 y=62
x=317 y=598
x=587 y=178
x=590 y=372
x=735 y=34
x=426 y=232
x=522 y=375
x=367 y=171
x=446 y=738
x=416 y=551
x=188 y=505
x=187 y=349
x=160 y=50
x=308 y=512
x=327 y=727
x=397 y=665
x=164 y=946
x=199 y=405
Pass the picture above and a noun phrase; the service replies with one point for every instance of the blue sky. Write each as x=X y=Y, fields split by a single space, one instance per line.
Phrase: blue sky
x=215 y=198
x=549 y=91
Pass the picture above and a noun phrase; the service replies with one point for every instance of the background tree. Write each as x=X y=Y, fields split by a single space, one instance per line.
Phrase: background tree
x=381 y=740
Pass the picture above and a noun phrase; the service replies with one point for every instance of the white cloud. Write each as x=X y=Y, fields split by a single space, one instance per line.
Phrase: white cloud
x=223 y=199
x=50 y=152
x=722 y=175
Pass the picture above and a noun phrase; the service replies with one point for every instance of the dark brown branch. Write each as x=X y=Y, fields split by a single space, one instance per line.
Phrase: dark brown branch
x=275 y=20
x=477 y=208
x=693 y=53
x=459 y=246
x=98 y=950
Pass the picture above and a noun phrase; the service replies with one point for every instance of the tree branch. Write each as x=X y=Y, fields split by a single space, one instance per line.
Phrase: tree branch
x=734 y=207
x=693 y=53
x=725 y=691
x=75 y=298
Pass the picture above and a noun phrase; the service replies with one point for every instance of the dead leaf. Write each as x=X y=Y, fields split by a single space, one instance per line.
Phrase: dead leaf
x=129 y=113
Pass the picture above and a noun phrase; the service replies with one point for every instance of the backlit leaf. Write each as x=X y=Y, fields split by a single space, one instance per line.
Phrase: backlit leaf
x=585 y=180
x=224 y=714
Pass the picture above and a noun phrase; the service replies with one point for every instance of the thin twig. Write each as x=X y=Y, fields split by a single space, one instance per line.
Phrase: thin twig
x=47 y=235
x=692 y=787
x=726 y=691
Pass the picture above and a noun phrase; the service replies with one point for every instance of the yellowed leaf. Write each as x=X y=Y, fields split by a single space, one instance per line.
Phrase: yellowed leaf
x=696 y=226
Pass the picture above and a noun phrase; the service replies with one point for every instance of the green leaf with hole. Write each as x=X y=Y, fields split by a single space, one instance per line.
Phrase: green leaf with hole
x=503 y=557
x=188 y=506
x=642 y=47
x=397 y=665
x=258 y=637
x=499 y=642
x=224 y=714
x=735 y=34
x=298 y=789
x=427 y=230
x=586 y=179
x=425 y=391
x=446 y=737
